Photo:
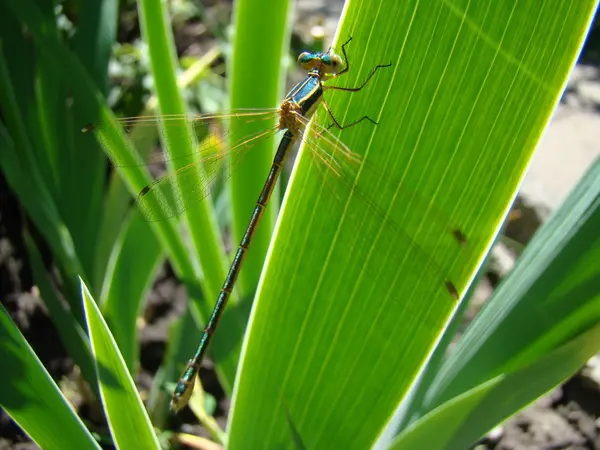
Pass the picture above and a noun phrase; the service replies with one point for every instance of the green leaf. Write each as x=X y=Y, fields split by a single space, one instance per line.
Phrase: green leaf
x=260 y=41
x=97 y=111
x=30 y=396
x=204 y=233
x=132 y=269
x=199 y=216
x=25 y=177
x=72 y=335
x=458 y=423
x=552 y=295
x=95 y=38
x=128 y=421
x=117 y=200
x=349 y=307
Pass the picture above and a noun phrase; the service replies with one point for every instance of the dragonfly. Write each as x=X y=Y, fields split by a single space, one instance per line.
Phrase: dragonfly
x=292 y=117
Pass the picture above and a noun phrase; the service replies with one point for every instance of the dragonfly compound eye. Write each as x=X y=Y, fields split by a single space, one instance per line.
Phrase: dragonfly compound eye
x=305 y=60
x=335 y=62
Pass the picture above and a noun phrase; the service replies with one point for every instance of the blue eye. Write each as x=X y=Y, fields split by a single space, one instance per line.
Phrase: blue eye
x=305 y=57
x=326 y=59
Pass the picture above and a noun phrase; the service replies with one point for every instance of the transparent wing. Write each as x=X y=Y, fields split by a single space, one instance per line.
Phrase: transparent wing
x=174 y=192
x=148 y=133
x=356 y=190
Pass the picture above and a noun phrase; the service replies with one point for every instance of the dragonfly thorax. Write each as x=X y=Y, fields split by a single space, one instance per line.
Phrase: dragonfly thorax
x=302 y=100
x=289 y=116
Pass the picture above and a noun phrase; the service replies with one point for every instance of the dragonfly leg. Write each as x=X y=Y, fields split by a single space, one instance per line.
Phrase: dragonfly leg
x=343 y=127
x=364 y=83
x=347 y=68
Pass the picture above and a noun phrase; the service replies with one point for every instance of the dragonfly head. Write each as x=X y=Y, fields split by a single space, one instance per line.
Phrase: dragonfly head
x=324 y=63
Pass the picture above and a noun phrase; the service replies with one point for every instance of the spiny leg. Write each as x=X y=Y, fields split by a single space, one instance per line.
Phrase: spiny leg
x=345 y=69
x=343 y=127
x=356 y=89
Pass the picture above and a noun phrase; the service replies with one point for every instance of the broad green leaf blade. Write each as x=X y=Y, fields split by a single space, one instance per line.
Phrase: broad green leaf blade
x=132 y=269
x=436 y=429
x=127 y=418
x=30 y=396
x=413 y=401
x=461 y=421
x=552 y=294
x=349 y=308
x=261 y=37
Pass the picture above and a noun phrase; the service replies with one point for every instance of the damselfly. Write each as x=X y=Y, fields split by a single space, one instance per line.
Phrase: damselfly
x=171 y=194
